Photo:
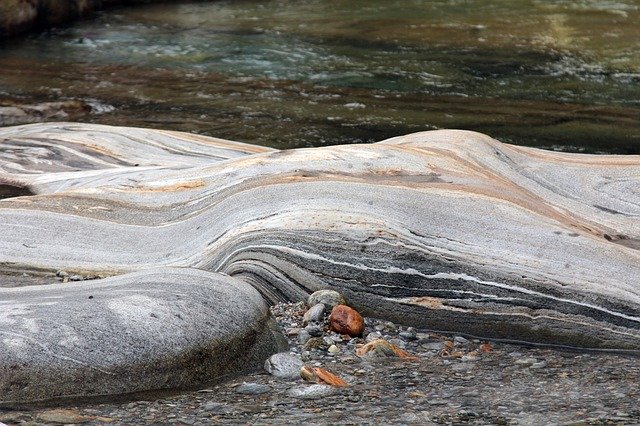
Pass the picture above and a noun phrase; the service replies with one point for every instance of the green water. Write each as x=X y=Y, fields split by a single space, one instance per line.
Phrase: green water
x=555 y=74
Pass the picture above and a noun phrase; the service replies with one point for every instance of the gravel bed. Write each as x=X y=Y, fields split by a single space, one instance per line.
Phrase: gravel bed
x=448 y=380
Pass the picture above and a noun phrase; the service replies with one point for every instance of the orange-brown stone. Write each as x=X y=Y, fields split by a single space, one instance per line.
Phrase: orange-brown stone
x=320 y=375
x=346 y=320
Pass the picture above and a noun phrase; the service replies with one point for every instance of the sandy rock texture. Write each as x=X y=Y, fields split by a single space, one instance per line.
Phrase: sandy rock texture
x=447 y=230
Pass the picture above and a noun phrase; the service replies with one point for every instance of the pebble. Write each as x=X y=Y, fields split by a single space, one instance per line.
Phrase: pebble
x=320 y=375
x=379 y=349
x=337 y=338
x=315 y=343
x=374 y=335
x=314 y=314
x=462 y=367
x=283 y=365
x=333 y=349
x=470 y=357
x=311 y=392
x=314 y=330
x=460 y=340
x=292 y=331
x=252 y=388
x=434 y=346
x=398 y=342
x=329 y=298
x=63 y=416
x=303 y=337
x=390 y=327
x=213 y=406
x=409 y=334
x=346 y=320
x=526 y=361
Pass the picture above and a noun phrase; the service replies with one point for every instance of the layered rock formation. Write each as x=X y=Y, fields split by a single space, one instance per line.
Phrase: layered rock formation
x=449 y=230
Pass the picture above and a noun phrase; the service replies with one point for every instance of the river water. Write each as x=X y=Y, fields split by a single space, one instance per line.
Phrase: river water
x=559 y=74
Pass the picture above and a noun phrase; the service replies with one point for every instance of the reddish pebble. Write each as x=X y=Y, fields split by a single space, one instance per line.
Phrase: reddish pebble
x=346 y=320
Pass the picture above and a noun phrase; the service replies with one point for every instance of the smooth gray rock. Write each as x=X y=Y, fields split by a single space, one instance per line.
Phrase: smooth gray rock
x=153 y=329
x=314 y=314
x=330 y=299
x=284 y=365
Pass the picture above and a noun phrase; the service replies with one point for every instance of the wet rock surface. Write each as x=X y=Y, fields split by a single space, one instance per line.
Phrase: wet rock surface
x=21 y=16
x=451 y=380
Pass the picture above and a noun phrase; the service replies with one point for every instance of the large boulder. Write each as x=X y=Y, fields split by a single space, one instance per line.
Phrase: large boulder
x=449 y=230
x=157 y=329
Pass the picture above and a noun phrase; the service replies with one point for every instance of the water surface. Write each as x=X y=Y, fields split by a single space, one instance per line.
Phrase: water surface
x=554 y=73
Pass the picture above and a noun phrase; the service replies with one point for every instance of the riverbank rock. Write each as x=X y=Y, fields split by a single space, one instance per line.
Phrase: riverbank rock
x=150 y=330
x=446 y=230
